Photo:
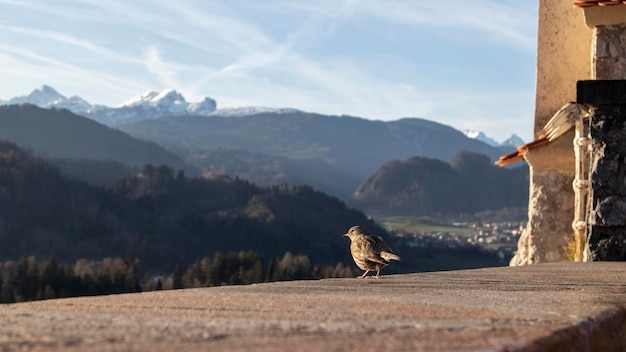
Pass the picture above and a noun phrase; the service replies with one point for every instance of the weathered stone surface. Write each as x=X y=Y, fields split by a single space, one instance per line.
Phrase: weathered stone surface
x=608 y=243
x=610 y=55
x=607 y=239
x=610 y=211
x=547 y=307
x=551 y=204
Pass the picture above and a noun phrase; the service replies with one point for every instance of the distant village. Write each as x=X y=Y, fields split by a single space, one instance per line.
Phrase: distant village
x=500 y=238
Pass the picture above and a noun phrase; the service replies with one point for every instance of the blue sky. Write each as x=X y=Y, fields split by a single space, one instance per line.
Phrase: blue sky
x=467 y=64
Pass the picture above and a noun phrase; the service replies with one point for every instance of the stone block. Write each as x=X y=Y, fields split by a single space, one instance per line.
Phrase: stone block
x=610 y=211
x=608 y=243
x=604 y=15
x=601 y=92
x=607 y=239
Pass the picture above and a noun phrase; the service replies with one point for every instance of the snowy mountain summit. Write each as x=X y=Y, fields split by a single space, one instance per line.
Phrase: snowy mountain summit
x=48 y=97
x=512 y=141
x=169 y=100
x=150 y=105
x=171 y=103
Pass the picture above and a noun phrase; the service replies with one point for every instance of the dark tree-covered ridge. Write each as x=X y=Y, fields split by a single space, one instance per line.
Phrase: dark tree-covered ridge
x=419 y=186
x=162 y=217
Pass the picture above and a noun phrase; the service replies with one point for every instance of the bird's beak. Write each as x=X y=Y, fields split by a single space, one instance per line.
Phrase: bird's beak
x=345 y=235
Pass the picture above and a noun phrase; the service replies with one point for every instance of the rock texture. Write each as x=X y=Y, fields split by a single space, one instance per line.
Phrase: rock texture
x=607 y=240
x=548 y=307
x=548 y=233
x=609 y=61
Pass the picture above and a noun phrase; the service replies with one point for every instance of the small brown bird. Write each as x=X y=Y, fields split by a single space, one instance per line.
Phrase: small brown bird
x=369 y=251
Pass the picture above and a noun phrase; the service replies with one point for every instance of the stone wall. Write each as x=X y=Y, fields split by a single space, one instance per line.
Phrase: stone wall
x=563 y=58
x=607 y=239
x=609 y=61
x=548 y=235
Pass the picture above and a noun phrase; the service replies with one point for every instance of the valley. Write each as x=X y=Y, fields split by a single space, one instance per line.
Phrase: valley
x=170 y=185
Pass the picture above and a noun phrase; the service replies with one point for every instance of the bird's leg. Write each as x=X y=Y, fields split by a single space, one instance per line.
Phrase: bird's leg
x=365 y=273
x=377 y=273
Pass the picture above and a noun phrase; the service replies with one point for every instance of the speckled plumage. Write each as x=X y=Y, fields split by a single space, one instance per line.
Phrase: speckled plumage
x=369 y=251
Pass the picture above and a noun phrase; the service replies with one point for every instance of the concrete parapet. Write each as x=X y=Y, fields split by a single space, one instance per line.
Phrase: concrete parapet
x=544 y=307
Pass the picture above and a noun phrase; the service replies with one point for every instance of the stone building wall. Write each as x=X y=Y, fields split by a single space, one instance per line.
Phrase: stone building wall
x=548 y=235
x=564 y=45
x=568 y=52
x=607 y=218
x=607 y=239
x=609 y=61
x=563 y=57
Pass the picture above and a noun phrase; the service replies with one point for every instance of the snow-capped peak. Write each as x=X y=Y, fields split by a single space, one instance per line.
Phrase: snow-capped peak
x=167 y=103
x=204 y=107
x=152 y=98
x=139 y=99
x=480 y=136
x=169 y=97
x=44 y=96
x=512 y=141
x=149 y=105
x=48 y=97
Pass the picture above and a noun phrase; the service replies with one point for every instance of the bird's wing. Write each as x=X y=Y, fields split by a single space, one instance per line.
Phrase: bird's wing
x=370 y=249
x=380 y=244
x=564 y=119
x=385 y=251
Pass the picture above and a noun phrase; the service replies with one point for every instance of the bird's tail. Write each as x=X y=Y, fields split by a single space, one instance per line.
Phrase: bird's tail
x=389 y=256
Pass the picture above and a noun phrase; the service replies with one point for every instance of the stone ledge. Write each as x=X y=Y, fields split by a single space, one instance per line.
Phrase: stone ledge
x=604 y=16
x=601 y=92
x=555 y=307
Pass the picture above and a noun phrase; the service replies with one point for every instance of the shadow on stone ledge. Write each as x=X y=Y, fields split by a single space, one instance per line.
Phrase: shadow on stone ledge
x=546 y=307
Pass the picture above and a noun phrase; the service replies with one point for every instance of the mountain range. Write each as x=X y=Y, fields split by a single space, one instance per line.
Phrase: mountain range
x=334 y=154
x=344 y=149
x=61 y=136
x=513 y=141
x=151 y=105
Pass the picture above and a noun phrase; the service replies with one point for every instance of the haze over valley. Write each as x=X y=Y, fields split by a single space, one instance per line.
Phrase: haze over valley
x=170 y=182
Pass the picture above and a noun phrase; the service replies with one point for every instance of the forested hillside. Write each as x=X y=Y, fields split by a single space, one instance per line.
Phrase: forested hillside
x=333 y=154
x=60 y=134
x=190 y=231
x=162 y=217
x=419 y=186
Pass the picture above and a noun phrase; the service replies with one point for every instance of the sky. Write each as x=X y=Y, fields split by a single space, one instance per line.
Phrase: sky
x=466 y=64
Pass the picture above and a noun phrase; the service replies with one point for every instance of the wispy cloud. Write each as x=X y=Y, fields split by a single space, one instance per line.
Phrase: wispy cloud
x=73 y=41
x=507 y=23
x=17 y=64
x=366 y=58
x=165 y=72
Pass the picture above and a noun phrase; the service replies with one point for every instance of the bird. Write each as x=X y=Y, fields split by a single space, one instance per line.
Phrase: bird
x=565 y=119
x=561 y=122
x=369 y=251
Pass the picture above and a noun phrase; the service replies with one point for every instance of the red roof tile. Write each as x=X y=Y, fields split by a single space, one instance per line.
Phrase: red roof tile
x=587 y=3
x=518 y=155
